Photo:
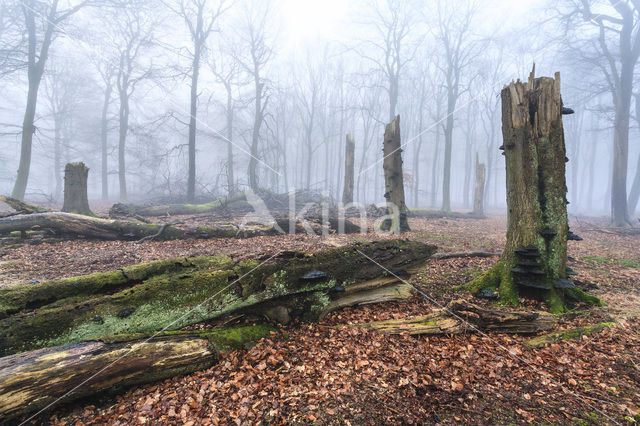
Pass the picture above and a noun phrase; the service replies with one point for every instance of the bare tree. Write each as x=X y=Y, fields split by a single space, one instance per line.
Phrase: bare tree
x=42 y=22
x=615 y=51
x=391 y=23
x=460 y=48
x=227 y=70
x=134 y=34
x=200 y=16
x=256 y=54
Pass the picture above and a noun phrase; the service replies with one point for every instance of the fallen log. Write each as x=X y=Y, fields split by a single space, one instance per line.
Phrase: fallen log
x=233 y=201
x=461 y=316
x=21 y=206
x=112 y=229
x=568 y=334
x=175 y=293
x=441 y=214
x=32 y=381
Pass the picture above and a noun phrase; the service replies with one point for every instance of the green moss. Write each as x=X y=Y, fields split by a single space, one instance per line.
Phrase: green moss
x=581 y=296
x=554 y=302
x=569 y=334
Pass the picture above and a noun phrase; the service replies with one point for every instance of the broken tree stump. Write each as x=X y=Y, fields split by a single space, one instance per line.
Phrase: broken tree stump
x=396 y=220
x=534 y=261
x=478 y=195
x=450 y=321
x=31 y=381
x=75 y=189
x=350 y=147
x=149 y=297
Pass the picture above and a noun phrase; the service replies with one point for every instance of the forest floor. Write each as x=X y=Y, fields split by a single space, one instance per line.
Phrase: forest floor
x=328 y=374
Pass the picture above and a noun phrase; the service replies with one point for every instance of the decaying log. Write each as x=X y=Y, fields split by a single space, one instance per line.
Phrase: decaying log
x=449 y=321
x=149 y=297
x=235 y=200
x=441 y=214
x=31 y=381
x=112 y=229
x=568 y=334
x=21 y=206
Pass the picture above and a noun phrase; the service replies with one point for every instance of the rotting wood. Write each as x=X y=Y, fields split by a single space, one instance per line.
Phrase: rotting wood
x=457 y=317
x=147 y=297
x=568 y=334
x=30 y=381
x=72 y=224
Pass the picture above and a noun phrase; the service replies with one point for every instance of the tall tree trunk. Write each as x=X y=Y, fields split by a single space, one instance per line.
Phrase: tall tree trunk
x=57 y=157
x=448 y=143
x=104 y=148
x=35 y=69
x=393 y=179
x=634 y=194
x=75 y=189
x=535 y=256
x=619 y=210
x=122 y=140
x=478 y=197
x=230 y=178
x=257 y=122
x=434 y=167
x=350 y=148
x=193 y=111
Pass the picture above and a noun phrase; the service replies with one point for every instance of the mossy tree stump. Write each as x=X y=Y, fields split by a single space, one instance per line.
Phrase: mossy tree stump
x=396 y=220
x=75 y=189
x=534 y=261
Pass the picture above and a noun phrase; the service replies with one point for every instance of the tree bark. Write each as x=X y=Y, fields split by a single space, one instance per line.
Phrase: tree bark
x=535 y=256
x=478 y=197
x=32 y=381
x=35 y=70
x=175 y=293
x=393 y=179
x=75 y=189
x=450 y=321
x=349 y=164
x=104 y=142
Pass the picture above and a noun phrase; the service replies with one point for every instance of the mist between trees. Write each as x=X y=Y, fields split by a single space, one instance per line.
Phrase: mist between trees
x=195 y=99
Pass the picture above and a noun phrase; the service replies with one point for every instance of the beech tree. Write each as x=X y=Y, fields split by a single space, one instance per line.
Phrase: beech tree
x=615 y=52
x=41 y=21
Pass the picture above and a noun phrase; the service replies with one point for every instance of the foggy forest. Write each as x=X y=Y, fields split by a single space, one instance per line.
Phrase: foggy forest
x=319 y=212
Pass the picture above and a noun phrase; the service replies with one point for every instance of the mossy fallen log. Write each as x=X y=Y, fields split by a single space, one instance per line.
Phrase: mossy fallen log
x=175 y=293
x=233 y=201
x=113 y=229
x=568 y=334
x=21 y=206
x=461 y=316
x=34 y=380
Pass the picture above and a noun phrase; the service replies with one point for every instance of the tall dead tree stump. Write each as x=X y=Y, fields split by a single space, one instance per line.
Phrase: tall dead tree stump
x=534 y=261
x=478 y=196
x=347 y=193
x=396 y=220
x=75 y=189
